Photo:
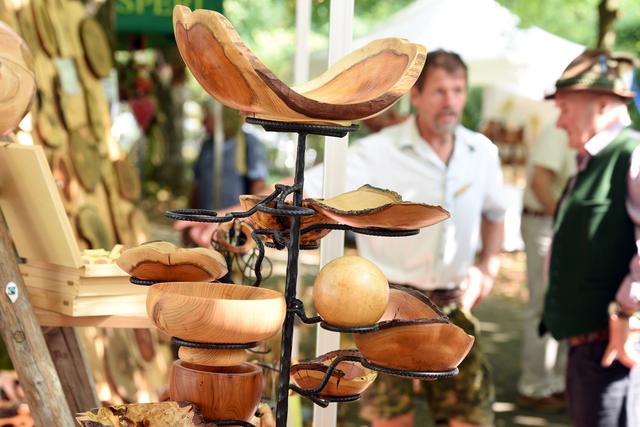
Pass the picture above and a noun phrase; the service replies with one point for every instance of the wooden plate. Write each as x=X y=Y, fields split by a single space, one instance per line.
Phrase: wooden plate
x=165 y=262
x=44 y=27
x=96 y=47
x=374 y=207
x=93 y=229
x=348 y=379
x=48 y=124
x=360 y=85
x=128 y=180
x=86 y=158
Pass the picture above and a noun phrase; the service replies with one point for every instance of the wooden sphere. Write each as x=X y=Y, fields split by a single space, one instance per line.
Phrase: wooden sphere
x=350 y=291
x=221 y=393
x=17 y=83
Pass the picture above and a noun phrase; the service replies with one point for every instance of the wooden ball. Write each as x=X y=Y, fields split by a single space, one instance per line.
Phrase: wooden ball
x=350 y=291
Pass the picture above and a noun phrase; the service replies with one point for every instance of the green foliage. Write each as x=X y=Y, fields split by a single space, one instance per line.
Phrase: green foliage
x=472 y=114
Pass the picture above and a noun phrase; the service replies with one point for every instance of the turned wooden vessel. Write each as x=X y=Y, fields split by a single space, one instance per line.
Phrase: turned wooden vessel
x=369 y=206
x=221 y=393
x=240 y=228
x=163 y=261
x=212 y=357
x=348 y=379
x=360 y=85
x=409 y=304
x=17 y=82
x=215 y=312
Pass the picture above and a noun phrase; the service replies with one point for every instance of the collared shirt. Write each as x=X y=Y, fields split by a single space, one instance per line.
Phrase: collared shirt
x=629 y=292
x=469 y=186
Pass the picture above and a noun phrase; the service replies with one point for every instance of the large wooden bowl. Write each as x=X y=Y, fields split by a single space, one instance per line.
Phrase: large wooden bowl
x=165 y=262
x=215 y=312
x=17 y=82
x=360 y=85
x=348 y=379
x=369 y=206
x=429 y=345
x=221 y=393
x=409 y=304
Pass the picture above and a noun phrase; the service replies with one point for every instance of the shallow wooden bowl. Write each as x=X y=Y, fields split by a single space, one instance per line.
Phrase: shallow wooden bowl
x=221 y=393
x=369 y=206
x=212 y=357
x=360 y=85
x=272 y=222
x=409 y=304
x=431 y=345
x=348 y=379
x=215 y=312
x=165 y=262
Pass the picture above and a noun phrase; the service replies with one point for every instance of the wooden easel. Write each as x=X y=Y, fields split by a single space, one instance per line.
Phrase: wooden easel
x=31 y=208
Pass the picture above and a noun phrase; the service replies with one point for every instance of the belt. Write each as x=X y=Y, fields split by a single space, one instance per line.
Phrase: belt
x=531 y=212
x=589 y=337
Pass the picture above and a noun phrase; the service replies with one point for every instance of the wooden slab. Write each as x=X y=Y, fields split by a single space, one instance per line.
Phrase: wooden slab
x=96 y=47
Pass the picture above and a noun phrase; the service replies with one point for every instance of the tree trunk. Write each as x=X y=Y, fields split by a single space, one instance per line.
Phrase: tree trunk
x=608 y=12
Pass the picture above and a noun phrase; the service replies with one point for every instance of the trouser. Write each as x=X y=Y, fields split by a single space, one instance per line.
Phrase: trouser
x=596 y=396
x=633 y=400
x=543 y=359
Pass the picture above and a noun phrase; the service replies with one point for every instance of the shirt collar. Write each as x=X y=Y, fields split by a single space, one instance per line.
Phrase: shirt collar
x=410 y=135
x=600 y=140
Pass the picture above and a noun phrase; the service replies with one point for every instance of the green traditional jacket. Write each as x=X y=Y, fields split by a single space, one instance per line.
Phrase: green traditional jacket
x=593 y=243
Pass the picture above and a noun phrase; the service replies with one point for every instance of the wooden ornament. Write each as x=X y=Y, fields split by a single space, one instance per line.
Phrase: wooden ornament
x=369 y=206
x=360 y=85
x=211 y=357
x=45 y=73
x=48 y=124
x=73 y=104
x=128 y=180
x=215 y=312
x=96 y=47
x=17 y=84
x=240 y=229
x=86 y=158
x=97 y=109
x=164 y=261
x=28 y=27
x=222 y=393
x=93 y=229
x=174 y=414
x=44 y=27
x=348 y=379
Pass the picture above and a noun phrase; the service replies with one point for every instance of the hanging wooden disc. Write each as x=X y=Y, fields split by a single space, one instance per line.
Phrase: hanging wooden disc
x=97 y=109
x=28 y=28
x=96 y=47
x=128 y=180
x=118 y=208
x=93 y=229
x=73 y=108
x=86 y=158
x=44 y=27
x=48 y=124
x=67 y=184
x=45 y=73
x=140 y=225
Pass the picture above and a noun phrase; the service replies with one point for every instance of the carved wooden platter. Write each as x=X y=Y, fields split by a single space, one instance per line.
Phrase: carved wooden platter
x=360 y=85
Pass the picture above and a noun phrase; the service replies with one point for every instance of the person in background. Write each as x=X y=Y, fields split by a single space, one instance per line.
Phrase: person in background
x=431 y=158
x=594 y=267
x=543 y=360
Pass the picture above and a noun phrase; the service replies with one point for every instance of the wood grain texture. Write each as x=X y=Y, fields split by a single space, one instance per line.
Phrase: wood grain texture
x=221 y=393
x=215 y=312
x=406 y=305
x=174 y=414
x=26 y=346
x=211 y=357
x=360 y=85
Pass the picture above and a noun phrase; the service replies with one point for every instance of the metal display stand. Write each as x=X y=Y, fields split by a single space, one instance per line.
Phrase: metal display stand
x=291 y=241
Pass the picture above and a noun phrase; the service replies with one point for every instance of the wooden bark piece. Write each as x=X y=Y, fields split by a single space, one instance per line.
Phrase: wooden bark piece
x=174 y=414
x=348 y=379
x=48 y=124
x=128 y=180
x=360 y=85
x=86 y=158
x=163 y=261
x=17 y=84
x=93 y=228
x=374 y=207
x=215 y=313
x=96 y=47
x=44 y=27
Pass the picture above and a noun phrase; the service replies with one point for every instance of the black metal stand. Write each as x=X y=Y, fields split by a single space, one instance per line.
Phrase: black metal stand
x=291 y=241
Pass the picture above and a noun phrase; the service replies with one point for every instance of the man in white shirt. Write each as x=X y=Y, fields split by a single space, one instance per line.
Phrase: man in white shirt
x=431 y=158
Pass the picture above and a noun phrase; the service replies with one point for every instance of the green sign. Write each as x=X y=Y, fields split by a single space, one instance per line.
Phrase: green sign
x=154 y=16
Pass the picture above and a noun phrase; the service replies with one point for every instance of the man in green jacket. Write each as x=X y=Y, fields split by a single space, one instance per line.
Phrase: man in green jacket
x=594 y=270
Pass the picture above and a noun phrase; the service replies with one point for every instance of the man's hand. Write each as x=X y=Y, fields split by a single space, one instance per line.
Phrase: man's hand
x=199 y=232
x=620 y=346
x=477 y=286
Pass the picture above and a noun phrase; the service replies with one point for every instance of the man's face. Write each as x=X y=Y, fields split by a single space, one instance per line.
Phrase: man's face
x=440 y=103
x=578 y=116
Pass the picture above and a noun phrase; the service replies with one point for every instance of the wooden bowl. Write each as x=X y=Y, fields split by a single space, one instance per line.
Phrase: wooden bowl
x=165 y=262
x=221 y=393
x=430 y=345
x=215 y=312
x=240 y=228
x=281 y=223
x=409 y=304
x=360 y=85
x=369 y=206
x=348 y=379
x=212 y=357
